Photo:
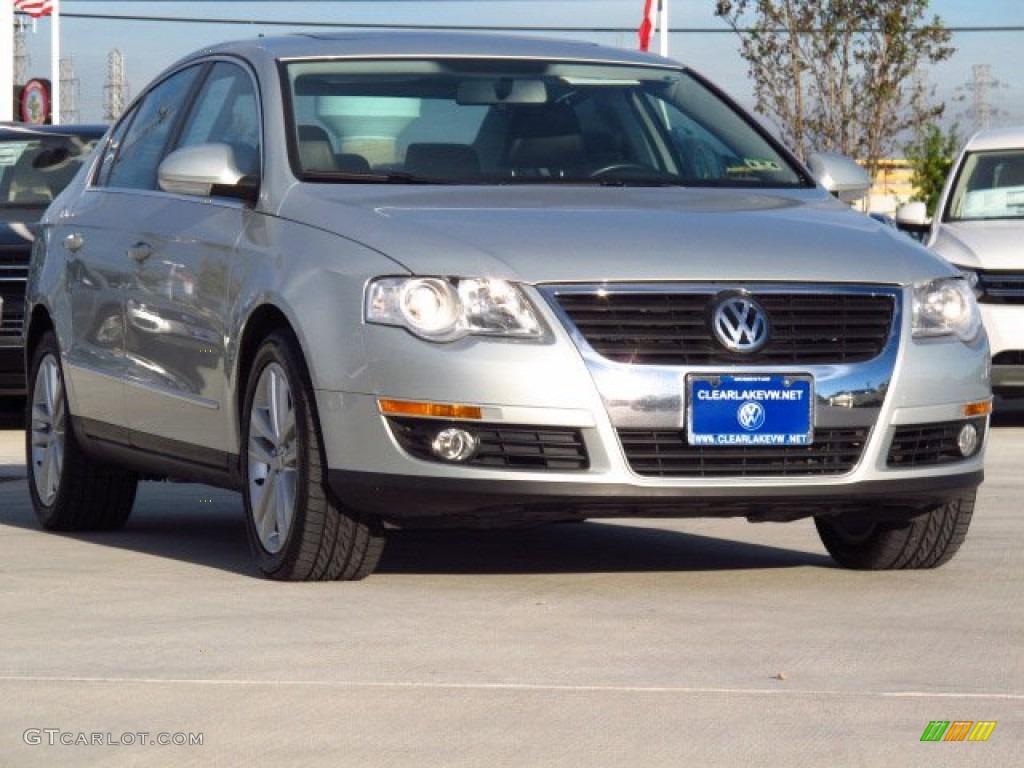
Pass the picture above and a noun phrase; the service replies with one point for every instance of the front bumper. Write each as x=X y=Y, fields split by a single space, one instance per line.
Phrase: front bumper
x=493 y=503
x=894 y=420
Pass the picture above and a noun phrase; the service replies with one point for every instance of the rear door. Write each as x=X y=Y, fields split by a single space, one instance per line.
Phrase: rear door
x=97 y=234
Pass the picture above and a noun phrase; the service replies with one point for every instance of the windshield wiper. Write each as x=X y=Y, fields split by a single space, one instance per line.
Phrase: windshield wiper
x=639 y=183
x=391 y=177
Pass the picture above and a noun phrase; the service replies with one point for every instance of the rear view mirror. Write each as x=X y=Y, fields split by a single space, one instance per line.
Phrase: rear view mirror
x=502 y=90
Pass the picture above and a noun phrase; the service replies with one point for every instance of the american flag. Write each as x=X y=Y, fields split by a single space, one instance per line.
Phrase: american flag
x=35 y=8
x=651 y=8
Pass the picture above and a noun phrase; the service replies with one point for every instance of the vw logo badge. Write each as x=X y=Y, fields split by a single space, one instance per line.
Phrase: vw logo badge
x=740 y=324
x=750 y=415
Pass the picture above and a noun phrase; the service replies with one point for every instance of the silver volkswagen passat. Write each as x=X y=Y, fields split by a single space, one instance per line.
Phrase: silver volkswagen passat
x=375 y=280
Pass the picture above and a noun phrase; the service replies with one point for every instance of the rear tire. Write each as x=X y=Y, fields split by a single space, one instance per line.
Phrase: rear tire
x=70 y=491
x=295 y=529
x=927 y=541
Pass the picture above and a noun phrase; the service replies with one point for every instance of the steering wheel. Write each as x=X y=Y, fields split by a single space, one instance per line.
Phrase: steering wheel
x=627 y=168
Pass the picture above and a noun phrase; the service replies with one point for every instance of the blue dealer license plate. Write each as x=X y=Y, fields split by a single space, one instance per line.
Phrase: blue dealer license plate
x=750 y=410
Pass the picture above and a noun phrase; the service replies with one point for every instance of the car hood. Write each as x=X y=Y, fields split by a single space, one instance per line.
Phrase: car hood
x=982 y=244
x=589 y=234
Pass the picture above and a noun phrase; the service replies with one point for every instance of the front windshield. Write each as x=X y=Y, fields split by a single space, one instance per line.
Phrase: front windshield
x=35 y=169
x=496 y=121
x=990 y=185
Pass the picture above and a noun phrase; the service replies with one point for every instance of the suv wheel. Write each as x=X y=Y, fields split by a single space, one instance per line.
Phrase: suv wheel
x=70 y=491
x=927 y=541
x=295 y=529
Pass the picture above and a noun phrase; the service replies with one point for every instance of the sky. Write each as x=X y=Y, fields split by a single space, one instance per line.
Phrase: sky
x=699 y=39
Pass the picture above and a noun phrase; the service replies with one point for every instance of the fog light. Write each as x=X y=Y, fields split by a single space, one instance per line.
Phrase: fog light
x=967 y=440
x=454 y=444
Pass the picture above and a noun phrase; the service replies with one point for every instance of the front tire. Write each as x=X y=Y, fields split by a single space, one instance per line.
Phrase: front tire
x=70 y=491
x=296 y=531
x=927 y=541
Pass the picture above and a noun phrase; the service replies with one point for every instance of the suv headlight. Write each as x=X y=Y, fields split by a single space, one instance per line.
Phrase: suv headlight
x=445 y=309
x=946 y=307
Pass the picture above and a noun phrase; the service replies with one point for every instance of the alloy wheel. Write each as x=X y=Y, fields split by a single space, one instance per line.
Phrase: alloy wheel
x=48 y=430
x=273 y=458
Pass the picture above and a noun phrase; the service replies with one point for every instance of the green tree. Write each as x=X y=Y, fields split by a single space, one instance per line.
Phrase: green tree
x=839 y=75
x=931 y=155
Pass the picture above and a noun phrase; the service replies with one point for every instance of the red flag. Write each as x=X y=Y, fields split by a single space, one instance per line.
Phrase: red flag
x=35 y=8
x=648 y=24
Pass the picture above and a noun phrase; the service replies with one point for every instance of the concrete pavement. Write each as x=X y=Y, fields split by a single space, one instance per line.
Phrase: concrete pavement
x=652 y=643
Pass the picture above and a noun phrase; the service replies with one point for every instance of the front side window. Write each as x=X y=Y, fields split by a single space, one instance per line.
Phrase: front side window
x=989 y=185
x=226 y=112
x=495 y=121
x=137 y=143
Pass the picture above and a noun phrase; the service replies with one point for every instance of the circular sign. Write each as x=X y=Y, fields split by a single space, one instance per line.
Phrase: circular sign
x=35 y=102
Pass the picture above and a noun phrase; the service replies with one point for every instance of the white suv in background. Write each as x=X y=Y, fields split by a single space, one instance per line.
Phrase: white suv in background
x=979 y=227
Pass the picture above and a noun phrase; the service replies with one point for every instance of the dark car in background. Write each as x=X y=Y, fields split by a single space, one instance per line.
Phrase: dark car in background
x=36 y=163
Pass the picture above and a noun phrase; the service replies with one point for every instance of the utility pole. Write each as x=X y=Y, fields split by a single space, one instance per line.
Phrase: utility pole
x=70 y=88
x=115 y=90
x=981 y=111
x=22 y=58
x=6 y=62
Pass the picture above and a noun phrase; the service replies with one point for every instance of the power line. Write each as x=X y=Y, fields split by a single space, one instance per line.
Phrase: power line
x=473 y=27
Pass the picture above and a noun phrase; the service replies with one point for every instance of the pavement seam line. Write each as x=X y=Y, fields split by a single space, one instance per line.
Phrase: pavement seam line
x=514 y=687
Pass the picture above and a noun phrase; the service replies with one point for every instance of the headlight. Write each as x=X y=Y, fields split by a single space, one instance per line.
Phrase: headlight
x=946 y=307
x=973 y=281
x=442 y=309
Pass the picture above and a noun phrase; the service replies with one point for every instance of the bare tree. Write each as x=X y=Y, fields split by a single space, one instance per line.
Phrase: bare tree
x=838 y=75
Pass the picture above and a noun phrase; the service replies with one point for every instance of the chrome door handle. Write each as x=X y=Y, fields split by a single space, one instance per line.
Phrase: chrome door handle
x=74 y=242
x=140 y=252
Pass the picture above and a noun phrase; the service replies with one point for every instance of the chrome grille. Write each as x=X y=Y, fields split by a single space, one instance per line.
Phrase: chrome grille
x=665 y=453
x=646 y=327
x=13 y=275
x=1001 y=287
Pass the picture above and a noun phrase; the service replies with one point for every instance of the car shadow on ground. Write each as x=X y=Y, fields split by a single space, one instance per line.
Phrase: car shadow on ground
x=215 y=538
x=205 y=527
x=590 y=547
x=12 y=413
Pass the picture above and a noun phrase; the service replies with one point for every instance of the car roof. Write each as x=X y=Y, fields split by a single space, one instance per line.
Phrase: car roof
x=997 y=138
x=428 y=43
x=10 y=131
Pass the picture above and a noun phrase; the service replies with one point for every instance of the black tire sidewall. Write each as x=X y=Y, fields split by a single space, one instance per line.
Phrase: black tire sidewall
x=279 y=348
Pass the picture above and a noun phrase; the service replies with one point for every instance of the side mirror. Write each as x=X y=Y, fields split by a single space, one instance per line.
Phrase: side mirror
x=912 y=218
x=204 y=170
x=912 y=214
x=840 y=175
